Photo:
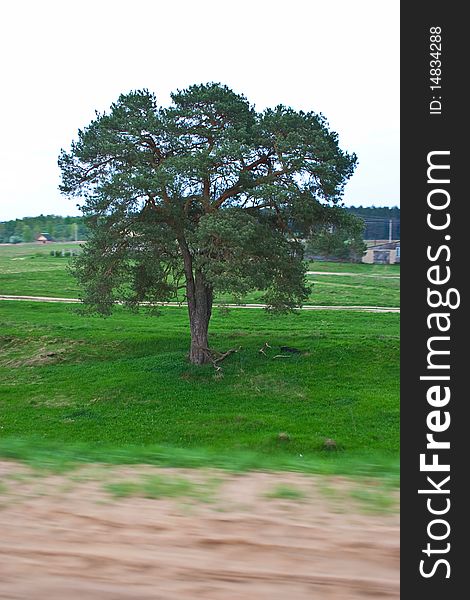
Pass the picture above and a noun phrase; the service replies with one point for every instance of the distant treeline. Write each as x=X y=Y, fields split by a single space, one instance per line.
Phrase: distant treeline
x=65 y=229
x=379 y=221
x=60 y=229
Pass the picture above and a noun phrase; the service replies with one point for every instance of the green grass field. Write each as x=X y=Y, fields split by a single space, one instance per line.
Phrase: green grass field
x=120 y=389
x=29 y=269
x=124 y=382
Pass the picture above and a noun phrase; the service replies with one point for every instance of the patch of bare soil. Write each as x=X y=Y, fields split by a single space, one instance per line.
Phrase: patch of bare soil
x=90 y=534
x=31 y=352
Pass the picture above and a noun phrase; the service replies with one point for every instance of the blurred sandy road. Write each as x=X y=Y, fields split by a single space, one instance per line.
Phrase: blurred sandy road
x=63 y=537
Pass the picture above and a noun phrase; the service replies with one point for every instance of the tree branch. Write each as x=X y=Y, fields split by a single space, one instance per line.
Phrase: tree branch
x=188 y=271
x=238 y=187
x=96 y=166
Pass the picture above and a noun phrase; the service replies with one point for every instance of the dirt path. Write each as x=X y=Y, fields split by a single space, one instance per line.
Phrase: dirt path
x=179 y=304
x=66 y=538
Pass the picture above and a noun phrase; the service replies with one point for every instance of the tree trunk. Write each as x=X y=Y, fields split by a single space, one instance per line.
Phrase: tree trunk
x=199 y=296
x=199 y=315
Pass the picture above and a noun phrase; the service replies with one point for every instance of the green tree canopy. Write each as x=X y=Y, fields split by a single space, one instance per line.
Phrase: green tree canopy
x=207 y=195
x=28 y=235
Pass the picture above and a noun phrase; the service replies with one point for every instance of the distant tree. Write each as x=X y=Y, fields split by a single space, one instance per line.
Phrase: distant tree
x=18 y=228
x=27 y=235
x=82 y=231
x=206 y=195
x=50 y=228
x=60 y=231
x=339 y=236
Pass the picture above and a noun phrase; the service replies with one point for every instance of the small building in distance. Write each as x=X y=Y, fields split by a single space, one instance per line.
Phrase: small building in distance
x=386 y=253
x=43 y=238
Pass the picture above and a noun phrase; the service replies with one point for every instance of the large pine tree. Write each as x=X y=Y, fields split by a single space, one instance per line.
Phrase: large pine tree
x=207 y=195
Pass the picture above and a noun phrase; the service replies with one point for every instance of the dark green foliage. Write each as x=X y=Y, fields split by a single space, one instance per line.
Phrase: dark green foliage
x=376 y=212
x=28 y=235
x=207 y=195
x=339 y=236
x=377 y=221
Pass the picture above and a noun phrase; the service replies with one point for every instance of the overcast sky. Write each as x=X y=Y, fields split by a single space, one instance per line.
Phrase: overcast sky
x=62 y=60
